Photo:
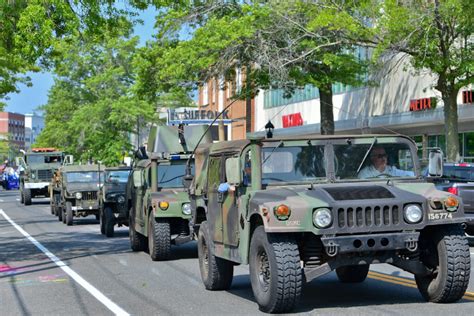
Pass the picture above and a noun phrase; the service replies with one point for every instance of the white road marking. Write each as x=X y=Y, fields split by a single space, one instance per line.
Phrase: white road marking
x=86 y=285
x=472 y=253
x=123 y=262
x=155 y=271
x=2 y=201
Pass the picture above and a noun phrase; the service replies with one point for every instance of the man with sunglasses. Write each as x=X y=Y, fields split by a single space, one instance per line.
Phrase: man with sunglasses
x=380 y=167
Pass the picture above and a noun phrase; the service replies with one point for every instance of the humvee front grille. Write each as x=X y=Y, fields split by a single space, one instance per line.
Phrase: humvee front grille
x=359 y=193
x=46 y=174
x=89 y=195
x=383 y=215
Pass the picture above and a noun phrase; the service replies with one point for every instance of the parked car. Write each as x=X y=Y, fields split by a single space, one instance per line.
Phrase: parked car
x=458 y=179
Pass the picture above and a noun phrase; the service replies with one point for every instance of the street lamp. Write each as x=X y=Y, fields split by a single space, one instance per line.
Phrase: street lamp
x=269 y=128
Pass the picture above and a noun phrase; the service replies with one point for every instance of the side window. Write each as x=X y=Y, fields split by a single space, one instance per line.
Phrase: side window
x=213 y=172
x=247 y=166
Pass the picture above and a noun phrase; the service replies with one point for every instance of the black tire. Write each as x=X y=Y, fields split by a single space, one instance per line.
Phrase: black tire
x=470 y=230
x=137 y=240
x=109 y=222
x=64 y=215
x=275 y=271
x=216 y=273
x=69 y=214
x=445 y=250
x=22 y=196
x=102 y=222
x=352 y=274
x=159 y=238
x=27 y=196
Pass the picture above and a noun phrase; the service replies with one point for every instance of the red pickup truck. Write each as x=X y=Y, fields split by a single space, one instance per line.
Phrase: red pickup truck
x=458 y=179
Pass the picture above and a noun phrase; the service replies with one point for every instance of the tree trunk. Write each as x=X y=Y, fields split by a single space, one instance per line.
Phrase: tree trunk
x=326 y=110
x=451 y=124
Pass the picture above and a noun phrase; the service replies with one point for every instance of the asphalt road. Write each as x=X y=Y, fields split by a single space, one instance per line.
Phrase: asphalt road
x=48 y=268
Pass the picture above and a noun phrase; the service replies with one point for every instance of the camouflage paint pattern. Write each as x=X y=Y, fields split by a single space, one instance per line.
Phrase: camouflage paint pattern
x=230 y=222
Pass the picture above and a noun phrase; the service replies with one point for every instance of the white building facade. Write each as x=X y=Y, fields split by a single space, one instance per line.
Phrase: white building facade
x=402 y=101
x=34 y=124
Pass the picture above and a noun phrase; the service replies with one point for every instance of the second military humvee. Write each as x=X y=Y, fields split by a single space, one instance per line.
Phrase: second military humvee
x=299 y=207
x=76 y=192
x=160 y=209
x=114 y=210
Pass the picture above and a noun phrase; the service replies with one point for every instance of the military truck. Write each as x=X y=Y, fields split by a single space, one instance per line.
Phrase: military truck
x=36 y=169
x=114 y=210
x=296 y=208
x=76 y=192
x=160 y=209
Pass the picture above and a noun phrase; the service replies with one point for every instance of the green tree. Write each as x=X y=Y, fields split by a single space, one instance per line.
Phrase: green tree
x=438 y=36
x=31 y=31
x=279 y=44
x=91 y=108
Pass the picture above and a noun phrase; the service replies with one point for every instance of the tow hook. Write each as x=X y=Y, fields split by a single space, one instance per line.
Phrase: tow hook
x=411 y=244
x=332 y=249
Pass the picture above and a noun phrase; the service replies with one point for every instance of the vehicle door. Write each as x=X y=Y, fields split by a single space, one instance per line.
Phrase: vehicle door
x=230 y=212
x=215 y=176
x=137 y=195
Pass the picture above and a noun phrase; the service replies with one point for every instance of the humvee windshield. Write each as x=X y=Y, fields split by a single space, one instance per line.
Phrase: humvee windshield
x=37 y=159
x=293 y=164
x=82 y=177
x=171 y=175
x=120 y=176
x=383 y=160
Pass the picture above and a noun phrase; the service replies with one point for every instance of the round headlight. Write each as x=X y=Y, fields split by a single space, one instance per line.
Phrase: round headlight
x=121 y=199
x=78 y=195
x=322 y=218
x=412 y=213
x=186 y=208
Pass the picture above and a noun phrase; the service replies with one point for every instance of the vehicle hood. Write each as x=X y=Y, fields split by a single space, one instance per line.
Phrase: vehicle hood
x=75 y=187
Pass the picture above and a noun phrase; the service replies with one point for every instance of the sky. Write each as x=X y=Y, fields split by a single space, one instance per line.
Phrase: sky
x=30 y=98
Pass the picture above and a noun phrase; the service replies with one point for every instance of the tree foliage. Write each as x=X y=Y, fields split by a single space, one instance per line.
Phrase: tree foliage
x=438 y=36
x=281 y=44
x=32 y=32
x=91 y=108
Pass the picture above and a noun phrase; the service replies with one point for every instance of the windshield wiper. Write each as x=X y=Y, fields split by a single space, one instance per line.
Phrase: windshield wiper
x=271 y=153
x=366 y=154
x=171 y=179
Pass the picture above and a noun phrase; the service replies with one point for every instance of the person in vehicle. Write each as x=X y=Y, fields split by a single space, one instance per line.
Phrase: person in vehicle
x=380 y=167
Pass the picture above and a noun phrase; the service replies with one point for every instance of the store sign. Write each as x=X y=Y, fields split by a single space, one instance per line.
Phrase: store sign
x=291 y=120
x=196 y=115
x=422 y=104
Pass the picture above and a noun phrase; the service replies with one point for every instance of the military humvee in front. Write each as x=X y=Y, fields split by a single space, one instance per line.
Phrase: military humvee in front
x=76 y=192
x=299 y=207
x=114 y=209
x=160 y=209
x=37 y=167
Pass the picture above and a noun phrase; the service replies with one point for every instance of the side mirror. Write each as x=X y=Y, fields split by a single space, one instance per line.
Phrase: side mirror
x=232 y=171
x=68 y=160
x=435 y=164
x=137 y=179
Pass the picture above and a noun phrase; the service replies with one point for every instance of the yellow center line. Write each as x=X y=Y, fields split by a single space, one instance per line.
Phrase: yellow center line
x=406 y=282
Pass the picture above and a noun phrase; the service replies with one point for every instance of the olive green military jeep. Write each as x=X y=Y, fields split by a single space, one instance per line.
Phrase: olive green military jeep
x=160 y=209
x=297 y=208
x=76 y=192
x=36 y=169
x=114 y=210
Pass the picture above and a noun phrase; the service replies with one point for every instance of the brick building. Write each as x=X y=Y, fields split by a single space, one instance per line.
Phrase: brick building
x=12 y=127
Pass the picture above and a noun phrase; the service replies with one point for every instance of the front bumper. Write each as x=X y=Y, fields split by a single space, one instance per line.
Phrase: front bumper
x=36 y=185
x=370 y=242
x=86 y=207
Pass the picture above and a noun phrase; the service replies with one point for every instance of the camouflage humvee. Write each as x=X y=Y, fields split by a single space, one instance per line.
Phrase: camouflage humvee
x=37 y=167
x=160 y=209
x=114 y=204
x=76 y=192
x=297 y=208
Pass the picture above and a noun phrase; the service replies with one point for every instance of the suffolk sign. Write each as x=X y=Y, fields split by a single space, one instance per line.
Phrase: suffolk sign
x=174 y=115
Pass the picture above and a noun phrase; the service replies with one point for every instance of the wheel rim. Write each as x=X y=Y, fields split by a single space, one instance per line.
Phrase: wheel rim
x=263 y=269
